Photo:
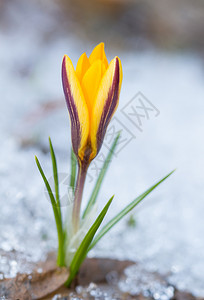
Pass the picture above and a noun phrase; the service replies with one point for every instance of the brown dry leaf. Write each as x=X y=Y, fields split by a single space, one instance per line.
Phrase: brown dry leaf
x=34 y=286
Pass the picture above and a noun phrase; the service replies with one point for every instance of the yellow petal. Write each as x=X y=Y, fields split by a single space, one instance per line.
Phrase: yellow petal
x=91 y=81
x=99 y=53
x=77 y=107
x=82 y=66
x=105 y=104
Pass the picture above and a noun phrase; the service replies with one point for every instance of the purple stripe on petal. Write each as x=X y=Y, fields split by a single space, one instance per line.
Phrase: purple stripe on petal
x=75 y=124
x=109 y=107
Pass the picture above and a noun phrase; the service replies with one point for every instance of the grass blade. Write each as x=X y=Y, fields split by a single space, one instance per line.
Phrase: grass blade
x=82 y=250
x=73 y=170
x=96 y=189
x=55 y=175
x=126 y=210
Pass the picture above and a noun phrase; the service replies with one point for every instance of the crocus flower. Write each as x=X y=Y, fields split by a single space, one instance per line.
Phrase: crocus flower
x=92 y=95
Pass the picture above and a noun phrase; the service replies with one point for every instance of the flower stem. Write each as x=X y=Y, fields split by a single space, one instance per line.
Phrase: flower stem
x=82 y=170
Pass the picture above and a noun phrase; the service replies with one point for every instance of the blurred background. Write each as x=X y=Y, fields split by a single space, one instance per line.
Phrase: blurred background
x=161 y=46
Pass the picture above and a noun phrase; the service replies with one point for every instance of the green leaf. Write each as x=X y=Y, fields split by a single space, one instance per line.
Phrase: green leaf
x=73 y=170
x=81 y=252
x=124 y=212
x=52 y=198
x=55 y=175
x=96 y=189
x=58 y=219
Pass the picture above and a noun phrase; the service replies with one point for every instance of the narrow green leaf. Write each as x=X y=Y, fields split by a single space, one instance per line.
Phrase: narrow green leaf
x=126 y=210
x=52 y=198
x=58 y=219
x=96 y=189
x=81 y=252
x=55 y=175
x=73 y=170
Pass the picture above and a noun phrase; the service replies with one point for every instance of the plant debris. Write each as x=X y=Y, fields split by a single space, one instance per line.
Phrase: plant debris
x=96 y=278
